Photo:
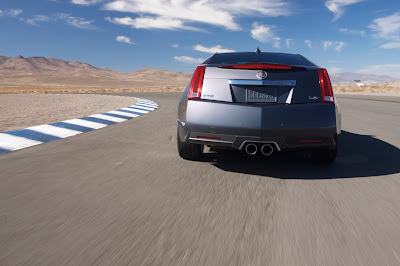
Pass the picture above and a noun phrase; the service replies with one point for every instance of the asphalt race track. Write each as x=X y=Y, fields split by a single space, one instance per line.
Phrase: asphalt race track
x=121 y=195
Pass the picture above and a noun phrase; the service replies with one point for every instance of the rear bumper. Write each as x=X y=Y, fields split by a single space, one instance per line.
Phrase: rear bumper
x=296 y=126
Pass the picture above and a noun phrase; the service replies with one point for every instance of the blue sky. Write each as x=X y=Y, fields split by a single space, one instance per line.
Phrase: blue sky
x=127 y=35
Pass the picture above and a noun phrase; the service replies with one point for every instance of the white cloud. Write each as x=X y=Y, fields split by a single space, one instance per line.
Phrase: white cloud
x=338 y=46
x=276 y=42
x=124 y=39
x=265 y=34
x=182 y=12
x=85 y=2
x=35 y=19
x=361 y=33
x=392 y=70
x=14 y=12
x=175 y=45
x=388 y=29
x=262 y=33
x=41 y=18
x=337 y=6
x=188 y=59
x=76 y=22
x=151 y=23
x=11 y=12
x=272 y=8
x=327 y=44
x=212 y=50
x=308 y=43
x=80 y=23
x=29 y=21
x=390 y=45
x=288 y=42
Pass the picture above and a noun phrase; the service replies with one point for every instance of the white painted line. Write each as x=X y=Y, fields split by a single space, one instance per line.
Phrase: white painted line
x=109 y=118
x=144 y=107
x=153 y=103
x=133 y=109
x=12 y=143
x=147 y=106
x=55 y=131
x=149 y=103
x=123 y=113
x=85 y=123
x=129 y=109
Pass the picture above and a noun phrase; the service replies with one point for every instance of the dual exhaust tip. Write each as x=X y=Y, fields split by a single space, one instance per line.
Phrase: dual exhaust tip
x=252 y=149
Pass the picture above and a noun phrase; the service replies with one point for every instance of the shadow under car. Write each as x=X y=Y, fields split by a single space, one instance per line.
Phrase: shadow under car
x=358 y=156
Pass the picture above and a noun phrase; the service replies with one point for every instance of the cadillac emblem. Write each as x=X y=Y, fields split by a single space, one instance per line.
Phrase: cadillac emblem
x=262 y=74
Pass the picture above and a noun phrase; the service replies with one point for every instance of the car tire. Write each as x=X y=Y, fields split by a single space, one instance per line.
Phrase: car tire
x=189 y=151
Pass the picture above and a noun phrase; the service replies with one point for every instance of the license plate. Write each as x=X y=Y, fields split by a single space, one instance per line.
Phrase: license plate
x=261 y=95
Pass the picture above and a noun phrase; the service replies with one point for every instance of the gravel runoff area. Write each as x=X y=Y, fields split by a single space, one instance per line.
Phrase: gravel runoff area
x=19 y=111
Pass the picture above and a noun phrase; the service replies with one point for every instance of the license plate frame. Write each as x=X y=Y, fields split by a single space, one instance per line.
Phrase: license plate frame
x=261 y=95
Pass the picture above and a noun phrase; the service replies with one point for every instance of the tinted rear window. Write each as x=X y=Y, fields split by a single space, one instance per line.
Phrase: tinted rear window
x=242 y=58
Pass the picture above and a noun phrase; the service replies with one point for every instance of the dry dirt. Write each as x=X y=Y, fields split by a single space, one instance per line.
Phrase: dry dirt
x=388 y=88
x=69 y=89
x=378 y=89
x=383 y=88
x=21 y=111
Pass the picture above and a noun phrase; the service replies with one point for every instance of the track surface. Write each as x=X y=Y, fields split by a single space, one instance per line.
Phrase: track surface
x=121 y=195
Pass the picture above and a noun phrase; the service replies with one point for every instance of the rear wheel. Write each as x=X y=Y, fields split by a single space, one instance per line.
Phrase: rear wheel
x=189 y=151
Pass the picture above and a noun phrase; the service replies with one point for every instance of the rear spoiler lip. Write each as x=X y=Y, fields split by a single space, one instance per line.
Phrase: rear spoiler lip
x=261 y=66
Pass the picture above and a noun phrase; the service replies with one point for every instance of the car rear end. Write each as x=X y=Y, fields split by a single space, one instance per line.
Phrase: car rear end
x=260 y=103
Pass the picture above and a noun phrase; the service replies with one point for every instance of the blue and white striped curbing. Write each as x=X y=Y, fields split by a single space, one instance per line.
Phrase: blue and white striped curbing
x=31 y=136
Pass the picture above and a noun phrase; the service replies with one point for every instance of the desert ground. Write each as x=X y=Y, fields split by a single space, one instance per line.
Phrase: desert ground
x=21 y=111
x=389 y=88
x=58 y=90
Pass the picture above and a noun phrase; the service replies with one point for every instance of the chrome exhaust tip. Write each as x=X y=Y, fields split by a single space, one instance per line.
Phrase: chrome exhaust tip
x=251 y=149
x=267 y=149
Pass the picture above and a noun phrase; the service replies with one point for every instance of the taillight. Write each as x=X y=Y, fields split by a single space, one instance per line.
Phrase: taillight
x=197 y=83
x=326 y=87
x=206 y=137
x=261 y=66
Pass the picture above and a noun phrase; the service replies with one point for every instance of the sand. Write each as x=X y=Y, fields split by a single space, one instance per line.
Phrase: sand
x=19 y=111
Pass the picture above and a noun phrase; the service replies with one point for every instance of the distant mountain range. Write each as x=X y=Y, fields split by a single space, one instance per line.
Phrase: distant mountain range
x=349 y=78
x=42 y=72
x=41 y=64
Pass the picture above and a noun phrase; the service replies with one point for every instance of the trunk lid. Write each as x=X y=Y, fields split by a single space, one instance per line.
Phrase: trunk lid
x=282 y=85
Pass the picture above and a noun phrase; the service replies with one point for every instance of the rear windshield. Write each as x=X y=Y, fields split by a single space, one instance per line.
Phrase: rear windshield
x=242 y=58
